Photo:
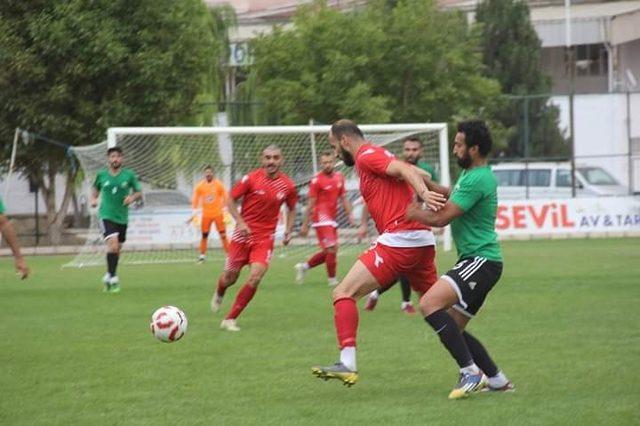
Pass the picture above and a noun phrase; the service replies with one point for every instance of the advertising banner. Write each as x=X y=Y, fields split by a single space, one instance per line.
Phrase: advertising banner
x=568 y=216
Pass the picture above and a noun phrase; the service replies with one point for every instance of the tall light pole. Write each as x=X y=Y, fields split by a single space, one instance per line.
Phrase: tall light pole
x=572 y=70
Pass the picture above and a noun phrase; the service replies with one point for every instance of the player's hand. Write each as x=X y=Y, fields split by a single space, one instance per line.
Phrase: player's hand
x=21 y=268
x=304 y=230
x=362 y=231
x=190 y=220
x=94 y=203
x=352 y=221
x=243 y=228
x=434 y=200
x=287 y=238
x=414 y=212
x=128 y=200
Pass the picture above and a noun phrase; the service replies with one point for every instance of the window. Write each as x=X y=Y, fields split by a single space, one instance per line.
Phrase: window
x=538 y=177
x=508 y=177
x=563 y=178
x=588 y=60
x=597 y=176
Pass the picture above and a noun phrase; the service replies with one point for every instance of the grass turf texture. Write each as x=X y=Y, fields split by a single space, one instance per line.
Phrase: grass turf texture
x=562 y=322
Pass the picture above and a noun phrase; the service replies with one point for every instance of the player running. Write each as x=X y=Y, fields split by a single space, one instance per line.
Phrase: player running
x=117 y=188
x=262 y=191
x=211 y=195
x=412 y=152
x=404 y=248
x=9 y=234
x=325 y=189
x=458 y=295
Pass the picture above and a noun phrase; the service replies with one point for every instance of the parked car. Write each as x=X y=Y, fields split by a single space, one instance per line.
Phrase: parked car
x=553 y=180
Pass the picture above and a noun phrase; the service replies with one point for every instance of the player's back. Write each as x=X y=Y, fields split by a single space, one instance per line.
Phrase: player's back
x=387 y=197
x=262 y=198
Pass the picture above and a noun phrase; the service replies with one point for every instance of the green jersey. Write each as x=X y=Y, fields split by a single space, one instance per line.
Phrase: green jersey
x=1 y=206
x=474 y=232
x=427 y=168
x=113 y=190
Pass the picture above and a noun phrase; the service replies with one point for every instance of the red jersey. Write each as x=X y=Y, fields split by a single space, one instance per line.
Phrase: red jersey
x=262 y=198
x=326 y=189
x=387 y=200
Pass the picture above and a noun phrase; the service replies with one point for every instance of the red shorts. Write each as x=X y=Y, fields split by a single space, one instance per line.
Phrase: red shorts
x=416 y=264
x=208 y=220
x=327 y=236
x=243 y=251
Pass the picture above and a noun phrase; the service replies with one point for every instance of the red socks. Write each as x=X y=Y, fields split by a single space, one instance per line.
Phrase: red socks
x=346 y=321
x=317 y=259
x=242 y=300
x=332 y=263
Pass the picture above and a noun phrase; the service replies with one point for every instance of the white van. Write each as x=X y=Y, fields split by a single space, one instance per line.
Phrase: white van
x=553 y=180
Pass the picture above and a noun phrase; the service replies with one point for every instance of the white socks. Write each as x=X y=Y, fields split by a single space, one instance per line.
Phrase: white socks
x=305 y=266
x=374 y=294
x=471 y=369
x=498 y=381
x=348 y=357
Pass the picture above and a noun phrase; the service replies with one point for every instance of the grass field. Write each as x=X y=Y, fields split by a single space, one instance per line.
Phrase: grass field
x=562 y=323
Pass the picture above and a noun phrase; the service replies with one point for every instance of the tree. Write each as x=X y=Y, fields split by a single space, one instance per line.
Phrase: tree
x=511 y=53
x=396 y=61
x=71 y=68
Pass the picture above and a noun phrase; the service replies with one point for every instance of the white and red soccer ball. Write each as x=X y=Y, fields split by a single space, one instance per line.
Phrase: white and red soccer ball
x=168 y=324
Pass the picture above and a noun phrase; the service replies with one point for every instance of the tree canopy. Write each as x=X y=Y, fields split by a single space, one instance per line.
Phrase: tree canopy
x=400 y=62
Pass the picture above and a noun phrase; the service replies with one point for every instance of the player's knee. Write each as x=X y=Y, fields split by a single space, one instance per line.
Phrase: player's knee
x=229 y=278
x=205 y=235
x=254 y=280
x=427 y=305
x=332 y=249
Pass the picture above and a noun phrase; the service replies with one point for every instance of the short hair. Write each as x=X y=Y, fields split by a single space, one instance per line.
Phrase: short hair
x=207 y=167
x=327 y=153
x=346 y=127
x=114 y=149
x=413 y=139
x=272 y=147
x=476 y=133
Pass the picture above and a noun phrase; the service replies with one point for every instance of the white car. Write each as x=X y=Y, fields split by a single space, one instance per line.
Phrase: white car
x=553 y=180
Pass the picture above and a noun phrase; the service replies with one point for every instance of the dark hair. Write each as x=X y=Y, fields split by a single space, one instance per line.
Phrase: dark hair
x=326 y=153
x=208 y=167
x=413 y=139
x=476 y=133
x=114 y=149
x=346 y=127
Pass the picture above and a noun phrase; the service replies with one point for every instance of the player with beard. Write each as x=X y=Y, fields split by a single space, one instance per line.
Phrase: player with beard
x=117 y=187
x=325 y=189
x=404 y=248
x=210 y=194
x=412 y=152
x=263 y=191
x=457 y=296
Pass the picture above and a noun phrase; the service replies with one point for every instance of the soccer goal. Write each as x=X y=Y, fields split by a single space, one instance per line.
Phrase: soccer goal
x=170 y=160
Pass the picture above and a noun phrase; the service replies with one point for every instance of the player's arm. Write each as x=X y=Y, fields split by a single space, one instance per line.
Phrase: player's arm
x=311 y=204
x=137 y=191
x=95 y=194
x=400 y=169
x=9 y=235
x=241 y=225
x=438 y=218
x=364 y=221
x=291 y=201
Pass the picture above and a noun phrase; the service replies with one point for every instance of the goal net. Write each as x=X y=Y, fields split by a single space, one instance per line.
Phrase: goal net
x=170 y=161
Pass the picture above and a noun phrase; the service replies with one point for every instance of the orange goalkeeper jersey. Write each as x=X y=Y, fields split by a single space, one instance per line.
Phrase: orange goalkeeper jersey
x=211 y=195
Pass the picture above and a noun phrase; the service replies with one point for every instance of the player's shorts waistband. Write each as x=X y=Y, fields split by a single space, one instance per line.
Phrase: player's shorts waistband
x=415 y=238
x=325 y=223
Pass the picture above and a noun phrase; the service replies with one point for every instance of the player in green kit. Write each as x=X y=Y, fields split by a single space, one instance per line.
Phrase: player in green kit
x=10 y=236
x=117 y=188
x=458 y=295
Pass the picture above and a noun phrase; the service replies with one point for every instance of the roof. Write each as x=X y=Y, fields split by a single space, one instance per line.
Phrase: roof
x=585 y=11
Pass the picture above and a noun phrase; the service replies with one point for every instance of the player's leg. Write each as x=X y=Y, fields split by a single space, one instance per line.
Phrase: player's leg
x=406 y=305
x=205 y=228
x=316 y=259
x=237 y=257
x=259 y=256
x=332 y=264
x=358 y=282
x=222 y=231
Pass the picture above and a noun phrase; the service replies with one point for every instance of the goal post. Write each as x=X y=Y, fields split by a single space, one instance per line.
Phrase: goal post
x=169 y=161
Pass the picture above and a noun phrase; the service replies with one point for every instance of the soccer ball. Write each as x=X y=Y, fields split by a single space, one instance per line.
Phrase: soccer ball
x=168 y=324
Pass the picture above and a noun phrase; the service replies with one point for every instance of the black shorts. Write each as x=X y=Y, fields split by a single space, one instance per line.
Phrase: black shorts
x=110 y=229
x=472 y=279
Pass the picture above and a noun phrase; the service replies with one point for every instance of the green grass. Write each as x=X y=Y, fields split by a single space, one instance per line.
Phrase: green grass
x=562 y=323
